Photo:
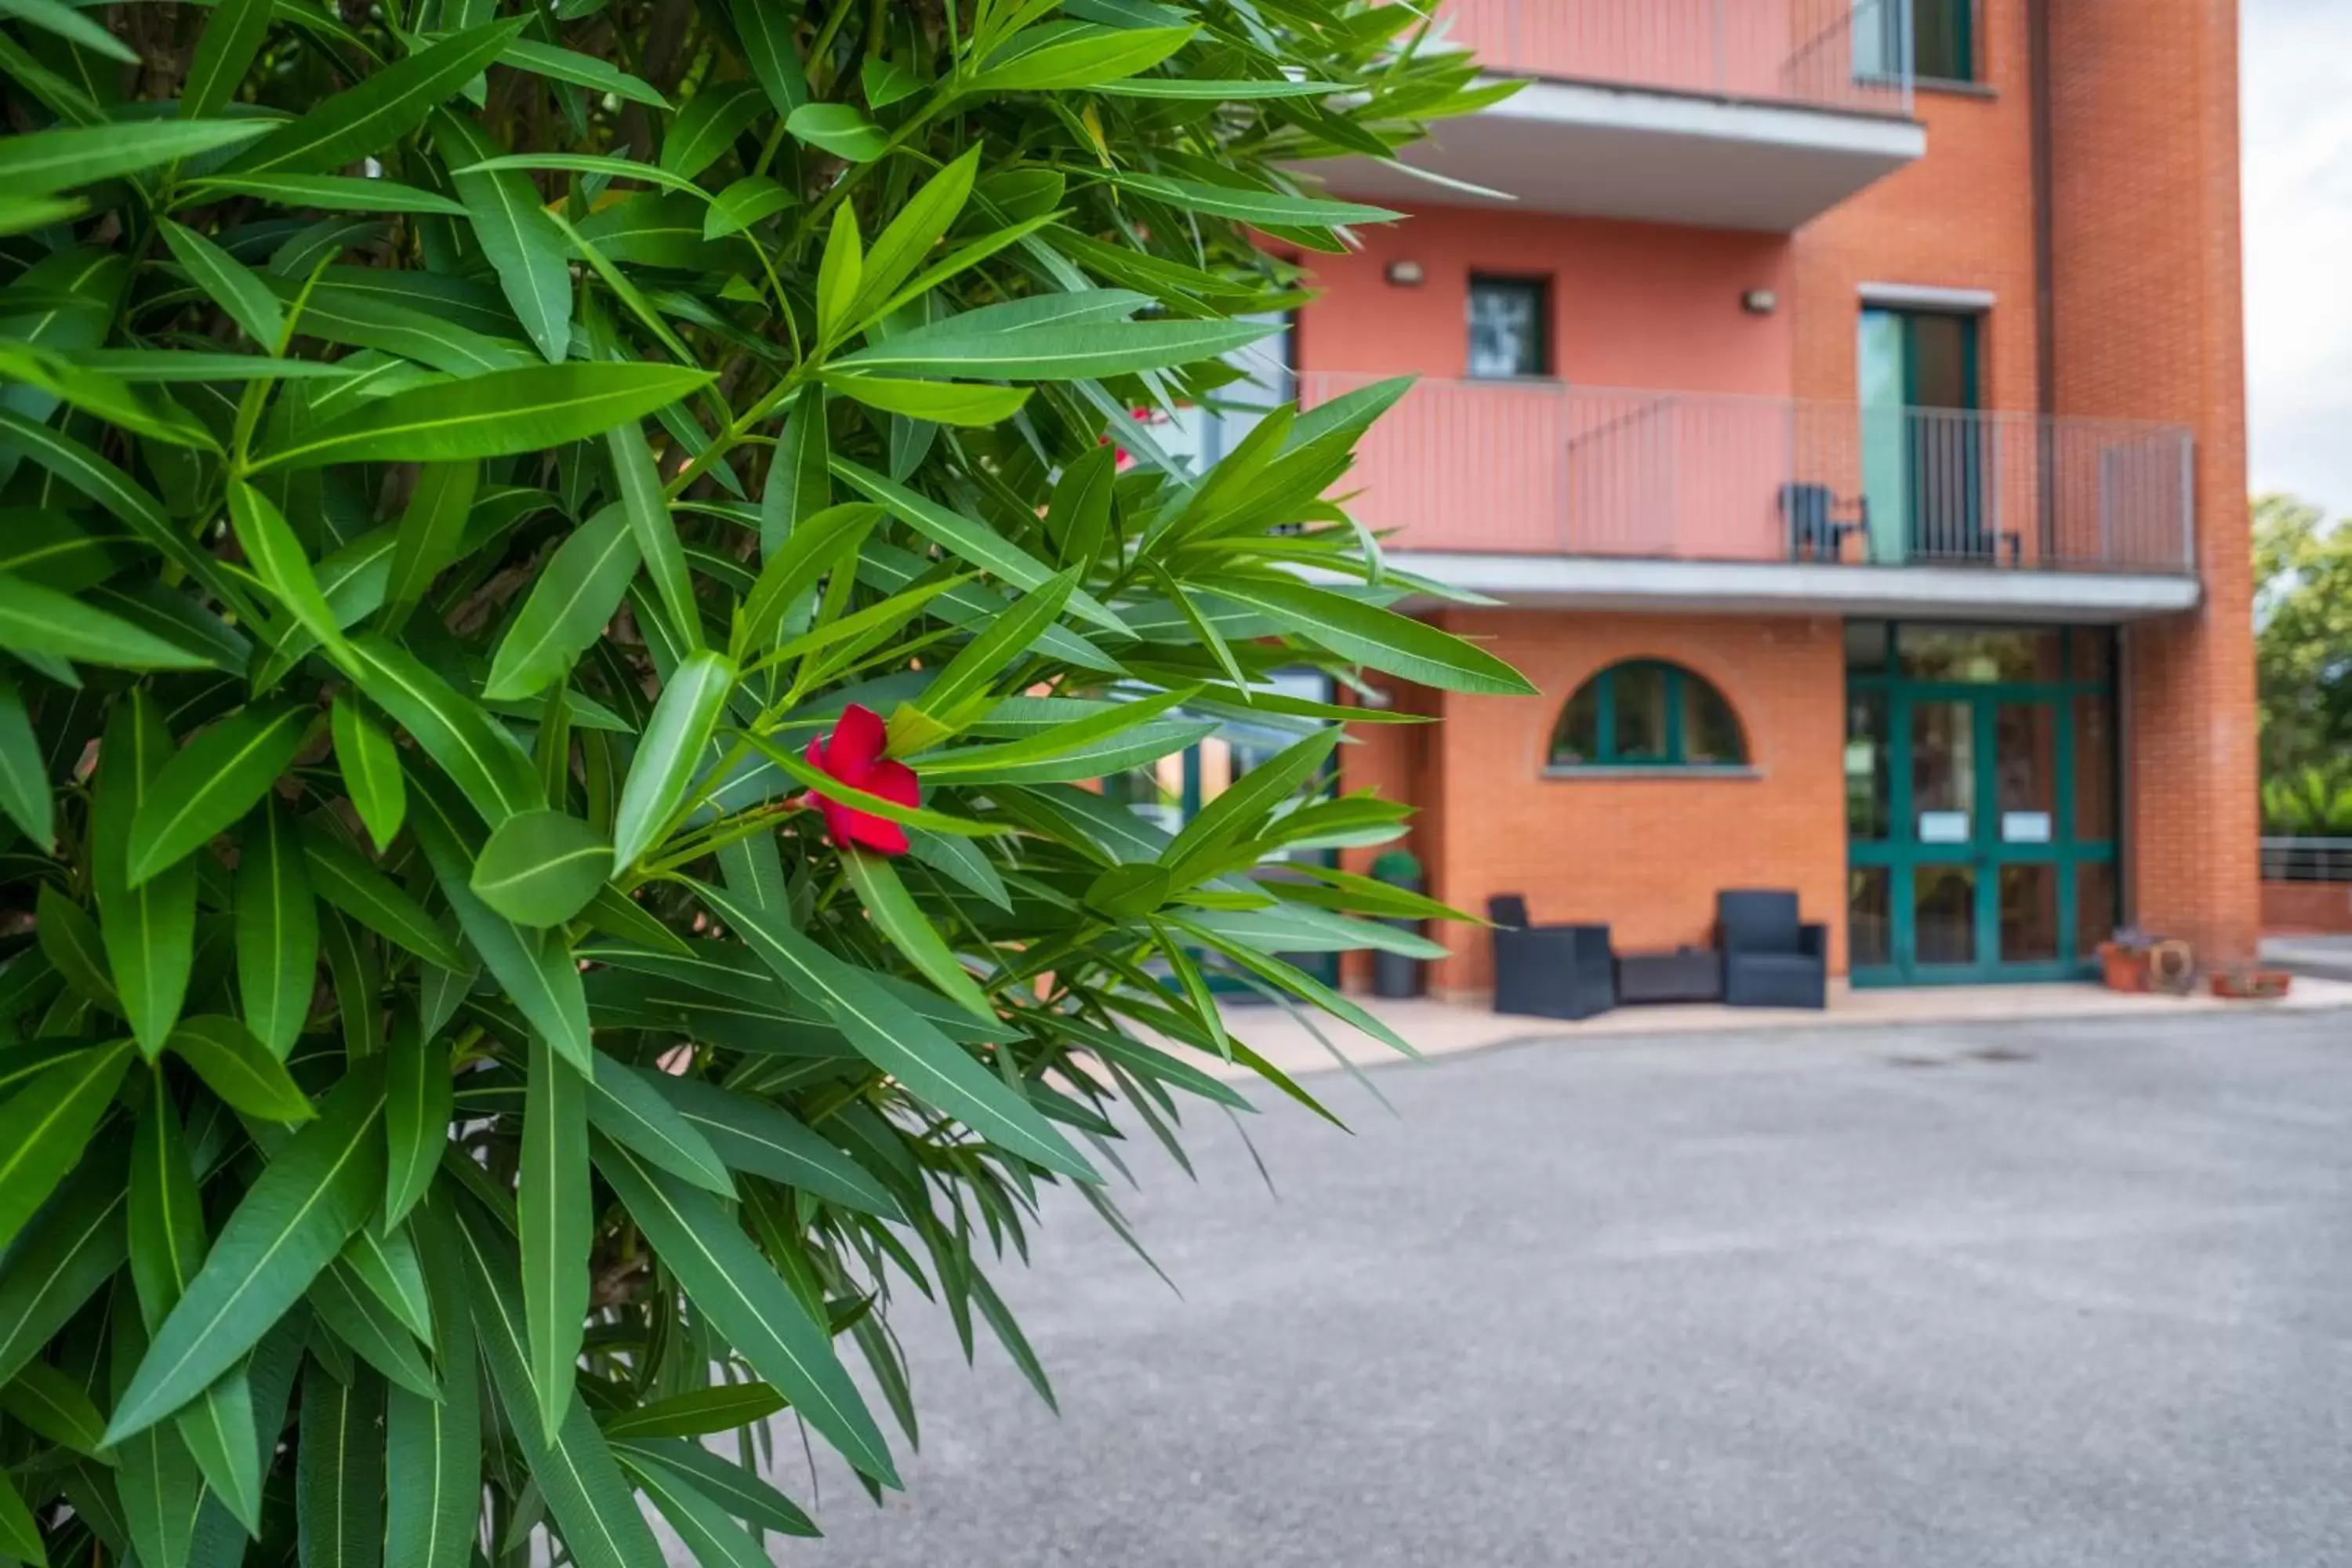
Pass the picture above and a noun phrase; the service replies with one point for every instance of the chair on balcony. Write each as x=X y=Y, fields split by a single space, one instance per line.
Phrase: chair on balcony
x=1549 y=971
x=1816 y=530
x=1771 y=958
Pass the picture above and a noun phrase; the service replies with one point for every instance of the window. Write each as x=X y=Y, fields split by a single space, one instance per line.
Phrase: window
x=1939 y=36
x=1510 y=319
x=1647 y=714
x=1943 y=41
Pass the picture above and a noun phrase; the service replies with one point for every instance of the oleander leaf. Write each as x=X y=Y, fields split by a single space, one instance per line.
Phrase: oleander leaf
x=329 y=193
x=25 y=792
x=542 y=867
x=568 y=606
x=386 y=105
x=657 y=534
x=1256 y=206
x=900 y=1041
x=524 y=245
x=233 y=285
x=418 y=1100
x=900 y=919
x=748 y=1304
x=36 y=162
x=345 y=878
x=240 y=1068
x=669 y=752
x=586 y=1495
x=150 y=927
x=288 y=1227
x=753 y=1135
x=1053 y=351
x=45 y=1125
x=941 y=402
x=276 y=923
x=210 y=782
x=838 y=129
x=1373 y=636
x=535 y=967
x=48 y=1404
x=629 y=1111
x=433 y=1447
x=1088 y=58
x=722 y=1407
x=370 y=766
x=479 y=756
x=492 y=415
x=40 y=621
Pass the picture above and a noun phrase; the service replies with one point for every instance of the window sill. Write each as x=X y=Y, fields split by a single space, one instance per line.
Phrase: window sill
x=1648 y=771
x=1953 y=88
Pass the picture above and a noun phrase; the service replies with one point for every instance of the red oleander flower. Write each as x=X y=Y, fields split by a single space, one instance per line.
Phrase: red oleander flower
x=853 y=754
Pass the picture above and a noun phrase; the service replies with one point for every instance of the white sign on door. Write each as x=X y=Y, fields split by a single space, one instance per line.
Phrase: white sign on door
x=1943 y=827
x=2025 y=828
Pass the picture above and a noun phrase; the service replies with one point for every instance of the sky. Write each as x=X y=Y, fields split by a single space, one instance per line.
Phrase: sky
x=2296 y=104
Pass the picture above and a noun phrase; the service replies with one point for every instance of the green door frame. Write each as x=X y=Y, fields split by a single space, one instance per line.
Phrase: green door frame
x=1902 y=854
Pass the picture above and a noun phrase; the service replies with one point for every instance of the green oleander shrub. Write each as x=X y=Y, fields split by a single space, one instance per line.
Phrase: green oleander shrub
x=567 y=570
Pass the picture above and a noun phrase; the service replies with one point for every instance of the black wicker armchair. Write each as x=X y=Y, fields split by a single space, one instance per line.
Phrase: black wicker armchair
x=1549 y=971
x=1771 y=958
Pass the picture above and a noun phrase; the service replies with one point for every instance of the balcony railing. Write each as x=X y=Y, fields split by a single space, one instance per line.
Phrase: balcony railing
x=2302 y=860
x=1538 y=467
x=1850 y=55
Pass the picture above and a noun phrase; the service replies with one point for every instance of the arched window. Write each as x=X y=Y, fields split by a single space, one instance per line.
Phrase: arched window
x=1644 y=713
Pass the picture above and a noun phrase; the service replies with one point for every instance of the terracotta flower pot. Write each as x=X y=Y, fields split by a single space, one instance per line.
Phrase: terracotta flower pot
x=2122 y=967
x=2252 y=984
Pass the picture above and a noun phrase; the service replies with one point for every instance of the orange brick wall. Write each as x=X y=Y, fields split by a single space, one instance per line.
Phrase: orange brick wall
x=2306 y=907
x=1962 y=217
x=2149 y=324
x=1645 y=854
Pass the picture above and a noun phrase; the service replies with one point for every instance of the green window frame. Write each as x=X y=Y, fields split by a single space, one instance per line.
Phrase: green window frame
x=1594 y=706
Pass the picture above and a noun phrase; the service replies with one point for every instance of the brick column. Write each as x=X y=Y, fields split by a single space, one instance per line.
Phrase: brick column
x=2148 y=324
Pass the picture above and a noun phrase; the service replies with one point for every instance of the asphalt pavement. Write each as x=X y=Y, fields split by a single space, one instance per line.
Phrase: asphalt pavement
x=2077 y=1293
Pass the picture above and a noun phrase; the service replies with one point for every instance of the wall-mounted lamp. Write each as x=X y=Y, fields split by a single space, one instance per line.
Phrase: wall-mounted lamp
x=1759 y=302
x=1406 y=274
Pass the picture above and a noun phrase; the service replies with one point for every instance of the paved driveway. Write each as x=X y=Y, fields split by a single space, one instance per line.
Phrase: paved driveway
x=2077 y=1293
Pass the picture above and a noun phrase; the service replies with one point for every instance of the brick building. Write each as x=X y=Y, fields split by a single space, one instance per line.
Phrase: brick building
x=1847 y=418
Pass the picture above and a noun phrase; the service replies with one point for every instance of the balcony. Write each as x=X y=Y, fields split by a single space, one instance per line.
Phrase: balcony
x=1750 y=114
x=1540 y=493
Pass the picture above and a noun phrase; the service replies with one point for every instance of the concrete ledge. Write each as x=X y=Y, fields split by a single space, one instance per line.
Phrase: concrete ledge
x=1436 y=1028
x=1636 y=152
x=1976 y=593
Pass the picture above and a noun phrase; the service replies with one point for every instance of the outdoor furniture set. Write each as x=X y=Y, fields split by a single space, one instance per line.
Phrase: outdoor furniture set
x=1764 y=955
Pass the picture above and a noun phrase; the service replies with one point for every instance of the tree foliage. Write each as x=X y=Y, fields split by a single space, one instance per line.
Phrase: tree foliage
x=2303 y=655
x=516 y=516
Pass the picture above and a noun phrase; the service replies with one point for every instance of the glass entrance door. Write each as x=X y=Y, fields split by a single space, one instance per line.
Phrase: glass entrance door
x=1981 y=817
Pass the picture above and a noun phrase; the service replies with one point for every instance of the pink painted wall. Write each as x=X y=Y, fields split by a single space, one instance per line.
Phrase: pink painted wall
x=1633 y=304
x=1566 y=464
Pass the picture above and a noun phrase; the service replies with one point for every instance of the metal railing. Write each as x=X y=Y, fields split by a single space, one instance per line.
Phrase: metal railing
x=1538 y=467
x=1851 y=54
x=2297 y=860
